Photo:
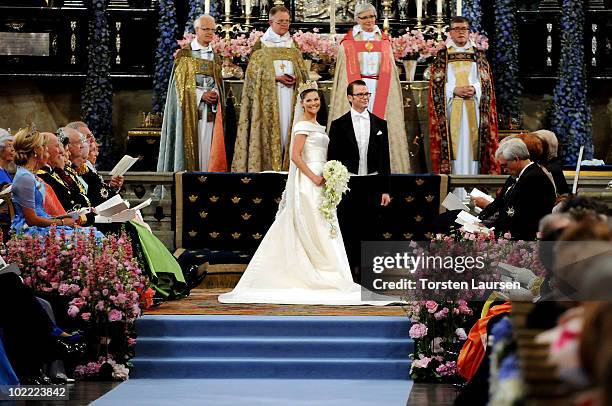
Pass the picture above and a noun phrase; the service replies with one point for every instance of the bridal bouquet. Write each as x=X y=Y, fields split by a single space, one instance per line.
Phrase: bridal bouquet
x=336 y=184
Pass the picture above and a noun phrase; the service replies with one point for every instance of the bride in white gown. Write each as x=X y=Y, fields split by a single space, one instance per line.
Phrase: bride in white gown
x=298 y=262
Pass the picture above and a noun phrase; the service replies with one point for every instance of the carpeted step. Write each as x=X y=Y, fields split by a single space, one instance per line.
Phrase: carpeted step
x=321 y=347
x=274 y=326
x=279 y=368
x=286 y=347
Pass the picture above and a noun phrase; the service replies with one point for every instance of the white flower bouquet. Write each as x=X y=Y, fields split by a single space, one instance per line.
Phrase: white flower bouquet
x=336 y=184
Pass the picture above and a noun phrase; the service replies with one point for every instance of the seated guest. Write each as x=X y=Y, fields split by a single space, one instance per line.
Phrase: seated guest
x=7 y=156
x=28 y=191
x=65 y=186
x=552 y=162
x=51 y=203
x=161 y=266
x=525 y=200
x=98 y=190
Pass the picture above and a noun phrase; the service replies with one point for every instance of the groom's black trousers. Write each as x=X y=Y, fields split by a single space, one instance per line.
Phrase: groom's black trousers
x=359 y=215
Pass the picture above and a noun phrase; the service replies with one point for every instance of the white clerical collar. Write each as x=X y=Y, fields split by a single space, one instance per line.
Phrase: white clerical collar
x=451 y=44
x=271 y=36
x=196 y=46
x=369 y=35
x=363 y=114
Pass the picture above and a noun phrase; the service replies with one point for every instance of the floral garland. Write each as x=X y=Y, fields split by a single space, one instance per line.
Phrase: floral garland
x=163 y=54
x=508 y=88
x=105 y=284
x=97 y=96
x=196 y=9
x=473 y=12
x=571 y=115
x=336 y=184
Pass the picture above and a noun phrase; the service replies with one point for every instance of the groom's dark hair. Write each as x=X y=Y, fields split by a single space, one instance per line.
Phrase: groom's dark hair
x=349 y=88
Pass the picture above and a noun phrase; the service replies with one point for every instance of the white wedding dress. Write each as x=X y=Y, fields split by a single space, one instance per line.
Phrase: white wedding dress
x=298 y=262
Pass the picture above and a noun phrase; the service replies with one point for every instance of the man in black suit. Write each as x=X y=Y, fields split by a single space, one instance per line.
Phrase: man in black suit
x=527 y=197
x=359 y=140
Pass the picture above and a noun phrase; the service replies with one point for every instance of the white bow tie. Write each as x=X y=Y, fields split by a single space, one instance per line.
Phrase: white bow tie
x=363 y=115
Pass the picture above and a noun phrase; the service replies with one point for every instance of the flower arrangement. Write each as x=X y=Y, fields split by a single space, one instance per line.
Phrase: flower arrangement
x=336 y=184
x=103 y=280
x=97 y=97
x=571 y=114
x=480 y=41
x=167 y=28
x=413 y=45
x=473 y=12
x=508 y=88
x=239 y=47
x=318 y=47
x=440 y=322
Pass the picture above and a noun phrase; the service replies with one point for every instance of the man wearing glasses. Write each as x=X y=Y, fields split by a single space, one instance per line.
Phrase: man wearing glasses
x=359 y=139
x=192 y=131
x=275 y=70
x=365 y=54
x=462 y=114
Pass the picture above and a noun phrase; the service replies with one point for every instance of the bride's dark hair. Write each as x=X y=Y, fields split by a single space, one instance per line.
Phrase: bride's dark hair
x=322 y=113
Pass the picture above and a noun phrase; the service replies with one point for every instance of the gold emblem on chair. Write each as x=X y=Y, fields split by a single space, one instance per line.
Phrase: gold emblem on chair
x=418 y=218
x=193 y=198
x=387 y=236
x=257 y=236
x=214 y=199
x=429 y=198
x=409 y=199
x=203 y=214
x=408 y=235
x=193 y=233
x=214 y=234
x=246 y=216
x=235 y=236
x=246 y=180
x=236 y=199
x=257 y=200
x=420 y=181
x=429 y=235
x=202 y=178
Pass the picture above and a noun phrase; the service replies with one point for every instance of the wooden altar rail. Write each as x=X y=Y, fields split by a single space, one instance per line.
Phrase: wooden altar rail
x=138 y=186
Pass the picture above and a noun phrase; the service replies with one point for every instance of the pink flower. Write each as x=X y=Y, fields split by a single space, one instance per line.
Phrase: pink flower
x=460 y=333
x=441 y=314
x=114 y=315
x=431 y=306
x=418 y=330
x=63 y=288
x=73 y=311
x=421 y=362
x=85 y=316
x=447 y=369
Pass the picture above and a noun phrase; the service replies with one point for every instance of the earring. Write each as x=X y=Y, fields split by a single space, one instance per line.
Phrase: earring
x=35 y=155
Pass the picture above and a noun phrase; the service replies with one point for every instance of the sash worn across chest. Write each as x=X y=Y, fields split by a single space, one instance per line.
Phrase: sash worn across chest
x=353 y=70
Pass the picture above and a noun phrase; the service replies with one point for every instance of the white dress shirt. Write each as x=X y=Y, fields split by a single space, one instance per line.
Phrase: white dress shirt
x=361 y=125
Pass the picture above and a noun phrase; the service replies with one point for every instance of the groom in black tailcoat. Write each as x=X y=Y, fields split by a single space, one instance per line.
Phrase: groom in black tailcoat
x=360 y=141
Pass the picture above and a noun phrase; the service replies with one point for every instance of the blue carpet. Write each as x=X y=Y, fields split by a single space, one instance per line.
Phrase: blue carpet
x=287 y=347
x=258 y=392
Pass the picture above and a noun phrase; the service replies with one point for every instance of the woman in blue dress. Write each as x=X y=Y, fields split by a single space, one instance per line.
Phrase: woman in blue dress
x=28 y=191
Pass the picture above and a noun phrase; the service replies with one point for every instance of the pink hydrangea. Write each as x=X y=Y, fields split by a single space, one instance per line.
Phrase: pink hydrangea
x=421 y=362
x=73 y=311
x=115 y=315
x=418 y=330
x=460 y=333
x=441 y=314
